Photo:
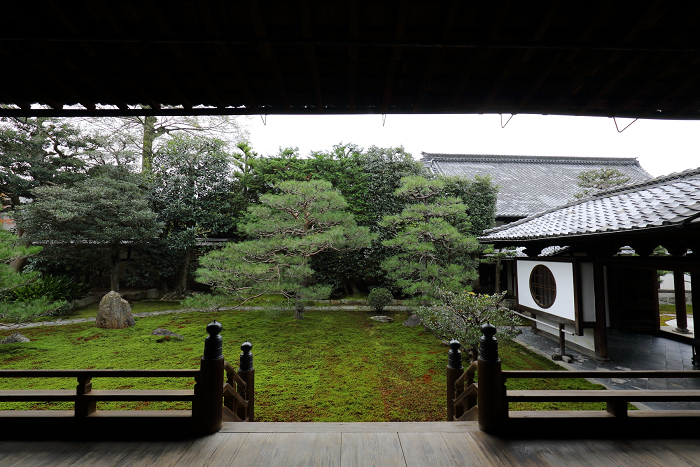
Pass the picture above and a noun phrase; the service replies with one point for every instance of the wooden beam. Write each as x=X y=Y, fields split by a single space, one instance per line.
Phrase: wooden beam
x=679 y=293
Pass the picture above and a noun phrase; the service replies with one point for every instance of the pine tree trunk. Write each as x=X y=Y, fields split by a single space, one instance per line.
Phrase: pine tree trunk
x=184 y=272
x=298 y=309
x=114 y=272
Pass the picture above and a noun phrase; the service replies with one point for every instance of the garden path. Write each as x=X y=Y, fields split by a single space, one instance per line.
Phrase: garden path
x=63 y=322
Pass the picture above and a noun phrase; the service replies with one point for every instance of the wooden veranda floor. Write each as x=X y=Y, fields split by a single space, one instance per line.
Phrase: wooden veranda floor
x=352 y=444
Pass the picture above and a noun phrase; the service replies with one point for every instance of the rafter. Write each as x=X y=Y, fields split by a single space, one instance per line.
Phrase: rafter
x=616 y=79
x=436 y=55
x=267 y=52
x=353 y=26
x=543 y=76
x=544 y=25
x=311 y=53
x=394 y=57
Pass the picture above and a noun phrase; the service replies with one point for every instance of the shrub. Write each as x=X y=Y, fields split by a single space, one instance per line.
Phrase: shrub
x=378 y=298
x=52 y=288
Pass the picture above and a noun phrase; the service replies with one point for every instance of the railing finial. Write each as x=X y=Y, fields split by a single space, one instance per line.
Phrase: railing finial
x=488 y=344
x=246 y=359
x=213 y=343
x=454 y=356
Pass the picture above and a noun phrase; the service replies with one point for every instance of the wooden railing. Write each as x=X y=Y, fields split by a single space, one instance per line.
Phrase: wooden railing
x=461 y=402
x=213 y=399
x=494 y=416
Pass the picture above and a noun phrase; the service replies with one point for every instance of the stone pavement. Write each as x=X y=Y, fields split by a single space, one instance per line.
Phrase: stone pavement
x=630 y=351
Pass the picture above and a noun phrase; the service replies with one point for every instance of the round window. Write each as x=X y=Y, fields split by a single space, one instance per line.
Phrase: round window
x=543 y=287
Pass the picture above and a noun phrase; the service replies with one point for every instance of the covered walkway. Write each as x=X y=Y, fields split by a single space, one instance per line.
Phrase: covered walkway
x=631 y=351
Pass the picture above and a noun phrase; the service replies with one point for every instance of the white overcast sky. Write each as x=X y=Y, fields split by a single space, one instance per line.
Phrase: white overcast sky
x=661 y=146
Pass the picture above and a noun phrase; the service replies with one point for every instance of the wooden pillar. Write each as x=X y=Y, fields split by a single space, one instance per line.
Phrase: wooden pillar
x=207 y=408
x=491 y=407
x=247 y=374
x=679 y=292
x=454 y=371
x=600 y=332
x=695 y=293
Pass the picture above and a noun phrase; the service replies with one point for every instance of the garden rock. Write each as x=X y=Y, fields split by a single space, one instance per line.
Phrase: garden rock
x=413 y=320
x=14 y=337
x=382 y=319
x=114 y=312
x=152 y=294
x=164 y=332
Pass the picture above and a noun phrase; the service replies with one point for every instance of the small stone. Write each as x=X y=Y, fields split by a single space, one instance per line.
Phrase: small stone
x=413 y=320
x=382 y=318
x=152 y=294
x=166 y=333
x=114 y=312
x=618 y=380
x=14 y=337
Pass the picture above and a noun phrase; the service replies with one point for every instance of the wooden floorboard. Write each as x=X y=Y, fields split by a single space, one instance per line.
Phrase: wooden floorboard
x=348 y=445
x=426 y=449
x=349 y=427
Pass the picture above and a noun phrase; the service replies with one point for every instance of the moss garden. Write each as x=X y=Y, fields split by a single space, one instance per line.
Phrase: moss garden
x=332 y=366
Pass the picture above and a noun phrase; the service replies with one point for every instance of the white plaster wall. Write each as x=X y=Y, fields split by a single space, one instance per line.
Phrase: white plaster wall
x=564 y=304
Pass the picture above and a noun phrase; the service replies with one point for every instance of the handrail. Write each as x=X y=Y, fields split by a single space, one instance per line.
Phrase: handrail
x=101 y=373
x=601 y=374
x=468 y=374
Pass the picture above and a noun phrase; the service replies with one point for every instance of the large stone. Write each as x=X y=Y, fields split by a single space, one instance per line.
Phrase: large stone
x=413 y=320
x=14 y=337
x=166 y=333
x=114 y=312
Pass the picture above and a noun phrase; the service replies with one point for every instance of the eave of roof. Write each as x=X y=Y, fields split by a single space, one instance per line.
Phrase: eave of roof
x=692 y=211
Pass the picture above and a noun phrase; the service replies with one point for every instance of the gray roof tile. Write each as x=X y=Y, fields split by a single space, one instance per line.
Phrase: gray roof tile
x=530 y=184
x=668 y=200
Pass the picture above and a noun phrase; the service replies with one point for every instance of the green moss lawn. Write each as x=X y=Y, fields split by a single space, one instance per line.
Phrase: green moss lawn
x=331 y=366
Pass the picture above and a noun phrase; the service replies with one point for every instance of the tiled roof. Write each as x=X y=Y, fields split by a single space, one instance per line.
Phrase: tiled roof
x=530 y=184
x=664 y=201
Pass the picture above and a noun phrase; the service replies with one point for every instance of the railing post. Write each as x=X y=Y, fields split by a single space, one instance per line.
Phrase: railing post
x=84 y=407
x=207 y=407
x=454 y=371
x=247 y=374
x=492 y=408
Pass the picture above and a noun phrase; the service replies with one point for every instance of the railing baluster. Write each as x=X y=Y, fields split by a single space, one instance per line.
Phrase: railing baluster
x=454 y=371
x=492 y=406
x=207 y=406
x=247 y=374
x=84 y=407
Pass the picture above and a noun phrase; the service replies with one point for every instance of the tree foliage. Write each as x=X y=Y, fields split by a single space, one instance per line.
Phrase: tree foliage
x=459 y=315
x=429 y=247
x=289 y=228
x=38 y=152
x=593 y=181
x=195 y=196
x=101 y=214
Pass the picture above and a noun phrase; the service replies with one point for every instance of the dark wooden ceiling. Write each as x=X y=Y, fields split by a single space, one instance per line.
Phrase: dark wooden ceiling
x=598 y=58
